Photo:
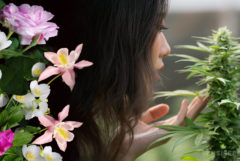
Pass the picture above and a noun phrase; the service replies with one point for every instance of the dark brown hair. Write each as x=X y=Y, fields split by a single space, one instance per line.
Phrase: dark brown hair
x=118 y=37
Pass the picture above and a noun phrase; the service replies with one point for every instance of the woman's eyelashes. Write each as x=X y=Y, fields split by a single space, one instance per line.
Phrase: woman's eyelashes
x=162 y=28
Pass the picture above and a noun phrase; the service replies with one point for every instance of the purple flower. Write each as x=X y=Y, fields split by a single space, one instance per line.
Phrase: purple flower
x=6 y=138
x=29 y=21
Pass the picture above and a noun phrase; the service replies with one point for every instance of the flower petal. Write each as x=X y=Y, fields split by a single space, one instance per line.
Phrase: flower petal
x=48 y=72
x=47 y=121
x=62 y=144
x=45 y=138
x=83 y=64
x=74 y=124
x=63 y=114
x=63 y=51
x=79 y=49
x=52 y=57
x=69 y=78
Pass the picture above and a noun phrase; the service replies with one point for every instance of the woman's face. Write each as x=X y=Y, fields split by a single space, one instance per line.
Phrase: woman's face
x=160 y=49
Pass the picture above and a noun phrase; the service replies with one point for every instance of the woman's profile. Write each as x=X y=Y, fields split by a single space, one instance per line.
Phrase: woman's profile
x=124 y=40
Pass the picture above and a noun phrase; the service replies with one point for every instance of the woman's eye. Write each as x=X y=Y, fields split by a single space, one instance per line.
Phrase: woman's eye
x=162 y=28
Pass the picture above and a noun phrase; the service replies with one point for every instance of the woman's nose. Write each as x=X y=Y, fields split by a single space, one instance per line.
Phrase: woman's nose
x=165 y=47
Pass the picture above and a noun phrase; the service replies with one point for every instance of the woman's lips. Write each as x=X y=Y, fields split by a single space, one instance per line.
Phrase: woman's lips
x=162 y=67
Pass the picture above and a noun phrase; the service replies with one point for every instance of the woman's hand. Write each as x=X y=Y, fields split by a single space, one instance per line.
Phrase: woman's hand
x=145 y=132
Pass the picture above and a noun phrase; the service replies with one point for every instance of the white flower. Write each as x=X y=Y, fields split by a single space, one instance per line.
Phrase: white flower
x=32 y=153
x=0 y=74
x=38 y=109
x=3 y=100
x=32 y=107
x=37 y=69
x=4 y=43
x=42 y=91
x=25 y=99
x=51 y=156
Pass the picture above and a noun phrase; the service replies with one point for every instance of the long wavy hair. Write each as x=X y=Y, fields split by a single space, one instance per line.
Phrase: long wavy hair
x=118 y=36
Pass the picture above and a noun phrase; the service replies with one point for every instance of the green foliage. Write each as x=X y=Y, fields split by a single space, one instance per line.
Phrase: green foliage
x=10 y=117
x=220 y=72
x=2 y=4
x=22 y=138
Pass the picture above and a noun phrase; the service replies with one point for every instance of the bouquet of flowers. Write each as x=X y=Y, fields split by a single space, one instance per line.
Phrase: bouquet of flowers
x=22 y=95
x=219 y=131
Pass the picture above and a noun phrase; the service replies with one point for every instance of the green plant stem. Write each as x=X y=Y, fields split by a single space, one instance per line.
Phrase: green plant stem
x=28 y=47
x=10 y=32
x=54 y=79
x=9 y=101
x=40 y=131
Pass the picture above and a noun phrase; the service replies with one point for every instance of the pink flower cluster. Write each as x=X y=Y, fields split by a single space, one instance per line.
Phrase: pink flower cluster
x=6 y=138
x=29 y=21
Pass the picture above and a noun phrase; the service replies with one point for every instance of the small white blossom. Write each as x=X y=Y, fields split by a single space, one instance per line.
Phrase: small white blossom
x=51 y=156
x=27 y=99
x=32 y=107
x=37 y=69
x=42 y=91
x=3 y=100
x=4 y=43
x=37 y=110
x=32 y=153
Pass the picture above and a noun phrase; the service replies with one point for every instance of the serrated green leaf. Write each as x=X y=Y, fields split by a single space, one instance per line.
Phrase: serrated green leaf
x=196 y=48
x=22 y=138
x=198 y=139
x=168 y=136
x=189 y=122
x=188 y=58
x=174 y=93
x=180 y=141
x=189 y=158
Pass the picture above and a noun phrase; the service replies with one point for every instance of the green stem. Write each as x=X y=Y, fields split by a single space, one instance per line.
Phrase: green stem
x=54 y=79
x=10 y=32
x=9 y=102
x=28 y=47
x=40 y=131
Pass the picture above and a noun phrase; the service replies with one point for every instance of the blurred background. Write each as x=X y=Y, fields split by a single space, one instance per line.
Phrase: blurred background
x=187 y=18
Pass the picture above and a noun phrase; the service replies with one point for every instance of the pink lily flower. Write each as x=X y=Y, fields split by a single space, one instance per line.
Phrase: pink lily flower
x=65 y=64
x=57 y=129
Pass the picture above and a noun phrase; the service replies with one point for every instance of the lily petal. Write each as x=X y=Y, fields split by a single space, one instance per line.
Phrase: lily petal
x=83 y=64
x=73 y=124
x=79 y=49
x=48 y=72
x=63 y=51
x=63 y=114
x=73 y=56
x=47 y=121
x=62 y=144
x=47 y=137
x=52 y=57
x=69 y=78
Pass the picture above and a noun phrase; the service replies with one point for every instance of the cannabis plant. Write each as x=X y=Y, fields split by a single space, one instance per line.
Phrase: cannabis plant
x=219 y=130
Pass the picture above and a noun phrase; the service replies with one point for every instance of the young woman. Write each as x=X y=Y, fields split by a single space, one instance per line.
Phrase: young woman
x=124 y=40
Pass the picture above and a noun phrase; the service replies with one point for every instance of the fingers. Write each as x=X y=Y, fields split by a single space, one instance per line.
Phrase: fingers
x=197 y=105
x=182 y=113
x=155 y=113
